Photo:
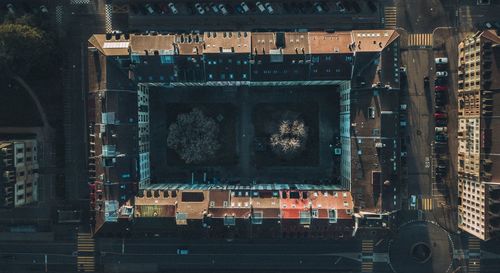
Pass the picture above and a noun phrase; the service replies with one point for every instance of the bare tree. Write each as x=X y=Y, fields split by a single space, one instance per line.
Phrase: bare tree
x=289 y=138
x=194 y=136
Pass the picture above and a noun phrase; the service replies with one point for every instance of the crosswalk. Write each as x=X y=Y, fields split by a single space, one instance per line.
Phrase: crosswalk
x=427 y=204
x=86 y=253
x=420 y=39
x=390 y=17
x=474 y=263
x=108 y=10
x=367 y=253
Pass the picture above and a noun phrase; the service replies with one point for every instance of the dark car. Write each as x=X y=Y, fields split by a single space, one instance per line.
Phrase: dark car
x=371 y=6
x=426 y=81
x=441 y=122
x=440 y=147
x=441 y=81
x=441 y=137
x=356 y=7
x=439 y=101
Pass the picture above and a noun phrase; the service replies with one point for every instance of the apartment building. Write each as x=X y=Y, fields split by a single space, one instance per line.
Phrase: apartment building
x=122 y=68
x=478 y=119
x=18 y=172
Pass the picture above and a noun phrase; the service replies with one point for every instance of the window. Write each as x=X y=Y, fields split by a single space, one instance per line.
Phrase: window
x=332 y=216
x=314 y=213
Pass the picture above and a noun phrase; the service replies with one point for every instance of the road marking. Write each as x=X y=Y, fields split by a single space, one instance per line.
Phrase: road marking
x=420 y=40
x=108 y=9
x=474 y=265
x=367 y=246
x=427 y=203
x=86 y=251
x=366 y=267
x=390 y=17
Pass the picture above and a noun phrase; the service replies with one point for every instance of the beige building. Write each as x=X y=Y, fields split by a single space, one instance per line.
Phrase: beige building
x=19 y=172
x=478 y=151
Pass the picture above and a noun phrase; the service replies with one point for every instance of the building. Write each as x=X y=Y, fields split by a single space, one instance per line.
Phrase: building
x=123 y=66
x=478 y=152
x=18 y=173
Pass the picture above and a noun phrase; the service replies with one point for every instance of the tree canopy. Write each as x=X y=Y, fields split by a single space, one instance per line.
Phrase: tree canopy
x=23 y=48
x=289 y=138
x=194 y=136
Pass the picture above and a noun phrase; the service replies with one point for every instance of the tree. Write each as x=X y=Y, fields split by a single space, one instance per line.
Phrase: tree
x=24 y=48
x=194 y=136
x=289 y=138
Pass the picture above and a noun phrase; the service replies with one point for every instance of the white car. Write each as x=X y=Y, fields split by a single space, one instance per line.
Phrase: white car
x=442 y=74
x=260 y=6
x=199 y=8
x=173 y=8
x=318 y=7
x=245 y=7
x=223 y=9
x=269 y=8
x=442 y=60
x=340 y=6
x=441 y=129
x=44 y=9
x=413 y=202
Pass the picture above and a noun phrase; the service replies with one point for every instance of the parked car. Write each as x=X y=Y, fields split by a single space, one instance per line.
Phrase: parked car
x=442 y=60
x=441 y=122
x=441 y=74
x=223 y=9
x=214 y=7
x=340 y=6
x=199 y=8
x=440 y=147
x=260 y=7
x=413 y=201
x=440 y=115
x=318 y=7
x=426 y=82
x=269 y=8
x=441 y=81
x=441 y=88
x=173 y=8
x=371 y=6
x=149 y=9
x=441 y=137
x=10 y=8
x=245 y=7
x=163 y=8
x=182 y=251
x=441 y=129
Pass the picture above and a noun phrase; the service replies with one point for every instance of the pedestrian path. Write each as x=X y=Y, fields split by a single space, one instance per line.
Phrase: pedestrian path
x=85 y=253
x=420 y=40
x=427 y=204
x=390 y=17
x=367 y=256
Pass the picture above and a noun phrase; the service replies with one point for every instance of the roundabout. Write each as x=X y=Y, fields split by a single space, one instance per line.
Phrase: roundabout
x=420 y=247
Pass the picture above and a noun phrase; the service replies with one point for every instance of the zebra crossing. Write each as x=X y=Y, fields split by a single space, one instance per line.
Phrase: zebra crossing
x=86 y=250
x=108 y=9
x=59 y=14
x=420 y=40
x=474 y=264
x=367 y=253
x=427 y=203
x=390 y=17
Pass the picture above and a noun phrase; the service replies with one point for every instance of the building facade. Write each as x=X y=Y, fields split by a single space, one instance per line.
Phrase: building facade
x=19 y=172
x=478 y=152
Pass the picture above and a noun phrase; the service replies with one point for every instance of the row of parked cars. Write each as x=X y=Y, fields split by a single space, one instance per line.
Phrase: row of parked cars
x=441 y=119
x=204 y=8
x=24 y=8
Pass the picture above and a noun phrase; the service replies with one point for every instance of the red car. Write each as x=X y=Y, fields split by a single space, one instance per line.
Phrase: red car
x=440 y=115
x=441 y=88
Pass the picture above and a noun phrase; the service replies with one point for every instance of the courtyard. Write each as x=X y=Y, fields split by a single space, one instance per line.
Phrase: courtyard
x=245 y=118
